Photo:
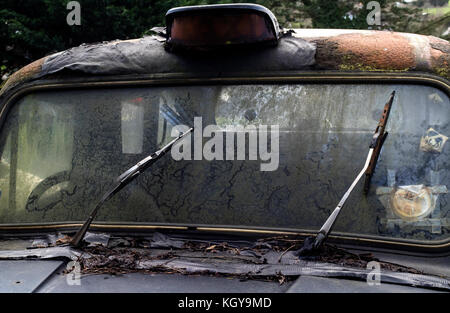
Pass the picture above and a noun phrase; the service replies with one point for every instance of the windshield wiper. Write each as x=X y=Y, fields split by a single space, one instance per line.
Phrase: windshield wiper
x=124 y=179
x=312 y=244
x=377 y=142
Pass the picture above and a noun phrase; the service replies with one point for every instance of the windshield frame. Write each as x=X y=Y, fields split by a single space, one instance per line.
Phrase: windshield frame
x=12 y=96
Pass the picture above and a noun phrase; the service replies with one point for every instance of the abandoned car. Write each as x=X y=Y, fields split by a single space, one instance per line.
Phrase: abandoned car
x=217 y=154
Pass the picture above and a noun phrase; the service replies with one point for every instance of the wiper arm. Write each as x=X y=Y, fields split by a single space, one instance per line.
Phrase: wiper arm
x=314 y=243
x=124 y=179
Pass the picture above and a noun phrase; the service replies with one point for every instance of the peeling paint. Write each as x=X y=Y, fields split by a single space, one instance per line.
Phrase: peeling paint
x=440 y=56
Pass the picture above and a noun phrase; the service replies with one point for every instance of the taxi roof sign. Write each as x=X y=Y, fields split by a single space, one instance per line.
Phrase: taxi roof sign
x=209 y=26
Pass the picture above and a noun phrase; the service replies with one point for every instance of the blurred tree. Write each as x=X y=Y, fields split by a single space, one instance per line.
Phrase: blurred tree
x=353 y=14
x=438 y=3
x=32 y=29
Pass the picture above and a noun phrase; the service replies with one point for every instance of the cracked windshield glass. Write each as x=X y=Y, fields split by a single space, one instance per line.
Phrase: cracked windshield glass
x=259 y=156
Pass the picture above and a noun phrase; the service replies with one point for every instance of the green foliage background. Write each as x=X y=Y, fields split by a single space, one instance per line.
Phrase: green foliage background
x=31 y=29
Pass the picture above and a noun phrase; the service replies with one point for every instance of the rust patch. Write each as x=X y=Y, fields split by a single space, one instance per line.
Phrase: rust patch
x=24 y=74
x=378 y=51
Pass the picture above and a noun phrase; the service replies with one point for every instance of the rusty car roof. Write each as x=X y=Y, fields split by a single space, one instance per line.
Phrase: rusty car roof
x=303 y=50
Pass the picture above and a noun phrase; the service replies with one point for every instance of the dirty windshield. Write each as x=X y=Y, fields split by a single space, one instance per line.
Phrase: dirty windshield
x=274 y=156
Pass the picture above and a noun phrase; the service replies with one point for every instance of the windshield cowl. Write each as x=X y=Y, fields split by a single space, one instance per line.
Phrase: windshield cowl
x=271 y=259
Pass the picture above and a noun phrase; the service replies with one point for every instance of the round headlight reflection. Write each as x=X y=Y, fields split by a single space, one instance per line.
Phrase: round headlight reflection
x=412 y=202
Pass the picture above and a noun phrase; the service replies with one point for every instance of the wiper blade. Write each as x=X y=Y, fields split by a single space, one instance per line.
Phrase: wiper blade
x=377 y=142
x=312 y=244
x=124 y=179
